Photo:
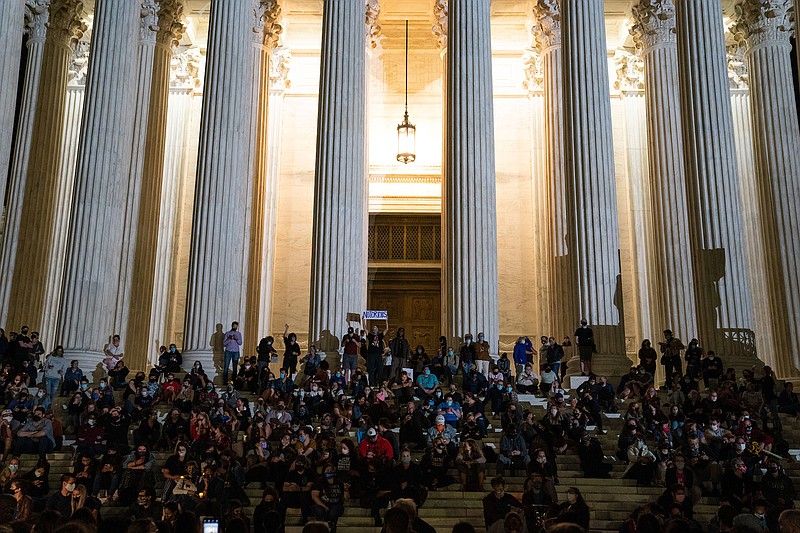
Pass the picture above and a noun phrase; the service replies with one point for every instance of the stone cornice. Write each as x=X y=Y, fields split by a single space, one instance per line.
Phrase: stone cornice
x=763 y=22
x=546 y=28
x=37 y=17
x=170 y=25
x=654 y=24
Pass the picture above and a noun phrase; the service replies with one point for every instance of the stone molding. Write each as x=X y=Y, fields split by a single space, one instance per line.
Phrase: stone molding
x=763 y=22
x=547 y=24
x=654 y=24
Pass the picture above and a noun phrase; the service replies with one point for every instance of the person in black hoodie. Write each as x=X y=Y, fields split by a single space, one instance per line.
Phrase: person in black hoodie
x=591 y=455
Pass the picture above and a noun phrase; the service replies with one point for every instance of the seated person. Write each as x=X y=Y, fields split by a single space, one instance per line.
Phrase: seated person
x=427 y=383
x=471 y=465
x=527 y=381
x=407 y=478
x=676 y=495
x=297 y=486
x=642 y=464
x=91 y=438
x=435 y=464
x=445 y=432
x=592 y=458
x=498 y=503
x=35 y=436
x=513 y=450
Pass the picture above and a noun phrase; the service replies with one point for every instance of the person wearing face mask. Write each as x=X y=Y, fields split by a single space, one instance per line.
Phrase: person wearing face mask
x=592 y=458
x=269 y=515
x=232 y=345
x=135 y=465
x=522 y=348
x=375 y=449
x=737 y=484
x=146 y=506
x=61 y=501
x=401 y=352
x=7 y=428
x=35 y=436
x=678 y=473
x=91 y=437
x=9 y=474
x=777 y=487
x=54 y=368
x=38 y=486
x=642 y=463
x=676 y=495
x=513 y=451
x=174 y=468
x=444 y=431
x=574 y=510
x=407 y=478
x=427 y=384
x=498 y=503
x=450 y=410
x=297 y=486
x=480 y=351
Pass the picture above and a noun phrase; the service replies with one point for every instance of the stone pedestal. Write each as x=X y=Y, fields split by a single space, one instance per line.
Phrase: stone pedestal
x=765 y=28
x=11 y=26
x=217 y=290
x=469 y=254
x=91 y=278
x=592 y=238
x=724 y=316
x=338 y=250
x=671 y=287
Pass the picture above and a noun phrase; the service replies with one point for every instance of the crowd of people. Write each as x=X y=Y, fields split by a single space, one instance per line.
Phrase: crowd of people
x=382 y=429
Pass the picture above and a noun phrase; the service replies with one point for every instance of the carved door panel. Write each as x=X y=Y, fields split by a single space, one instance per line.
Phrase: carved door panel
x=415 y=310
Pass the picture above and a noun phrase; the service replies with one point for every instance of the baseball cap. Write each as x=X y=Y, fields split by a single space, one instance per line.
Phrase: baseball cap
x=371 y=432
x=440 y=419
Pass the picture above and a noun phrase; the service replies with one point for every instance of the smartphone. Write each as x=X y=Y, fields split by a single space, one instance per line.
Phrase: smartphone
x=210 y=525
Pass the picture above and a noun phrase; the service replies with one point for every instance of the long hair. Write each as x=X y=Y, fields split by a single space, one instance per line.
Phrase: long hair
x=81 y=500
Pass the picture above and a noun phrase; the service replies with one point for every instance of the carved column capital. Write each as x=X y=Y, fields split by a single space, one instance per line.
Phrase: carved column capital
x=763 y=22
x=78 y=63
x=629 y=70
x=37 y=18
x=738 y=75
x=546 y=27
x=439 y=27
x=266 y=26
x=148 y=26
x=654 y=24
x=279 y=69
x=66 y=21
x=534 y=71
x=170 y=25
x=374 y=36
x=186 y=68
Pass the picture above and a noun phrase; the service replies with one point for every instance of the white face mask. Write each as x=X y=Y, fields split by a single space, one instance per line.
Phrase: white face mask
x=740 y=447
x=70 y=487
x=541 y=460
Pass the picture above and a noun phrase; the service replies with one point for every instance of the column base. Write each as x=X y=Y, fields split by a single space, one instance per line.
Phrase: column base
x=90 y=362
x=212 y=362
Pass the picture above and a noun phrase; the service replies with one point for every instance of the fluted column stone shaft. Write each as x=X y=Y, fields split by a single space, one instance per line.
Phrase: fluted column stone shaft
x=593 y=232
x=338 y=254
x=469 y=197
x=715 y=225
x=217 y=291
x=37 y=15
x=671 y=290
x=91 y=277
x=12 y=23
x=33 y=207
x=766 y=26
x=147 y=220
x=561 y=273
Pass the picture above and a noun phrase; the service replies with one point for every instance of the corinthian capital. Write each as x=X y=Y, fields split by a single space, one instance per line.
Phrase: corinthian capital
x=66 y=21
x=148 y=25
x=170 y=25
x=440 y=24
x=546 y=27
x=629 y=70
x=654 y=23
x=79 y=62
x=374 y=36
x=37 y=17
x=763 y=22
x=279 y=69
x=266 y=27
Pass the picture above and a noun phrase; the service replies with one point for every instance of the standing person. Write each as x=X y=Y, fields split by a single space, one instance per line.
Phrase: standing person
x=266 y=353
x=400 y=352
x=352 y=345
x=54 y=367
x=232 y=344
x=671 y=348
x=466 y=353
x=451 y=362
x=584 y=338
x=693 y=355
x=292 y=352
x=520 y=356
x=554 y=354
x=375 y=354
x=482 y=358
x=37 y=349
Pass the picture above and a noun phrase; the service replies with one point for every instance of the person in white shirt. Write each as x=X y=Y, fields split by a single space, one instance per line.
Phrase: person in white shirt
x=113 y=352
x=54 y=367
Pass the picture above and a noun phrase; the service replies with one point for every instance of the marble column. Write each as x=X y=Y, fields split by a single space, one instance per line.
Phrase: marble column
x=265 y=38
x=671 y=287
x=217 y=289
x=32 y=206
x=469 y=199
x=184 y=82
x=766 y=26
x=12 y=24
x=592 y=227
x=338 y=254
x=724 y=316
x=37 y=15
x=73 y=109
x=147 y=220
x=91 y=277
x=561 y=273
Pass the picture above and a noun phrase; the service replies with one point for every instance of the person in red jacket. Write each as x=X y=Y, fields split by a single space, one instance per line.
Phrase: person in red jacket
x=375 y=448
x=91 y=437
